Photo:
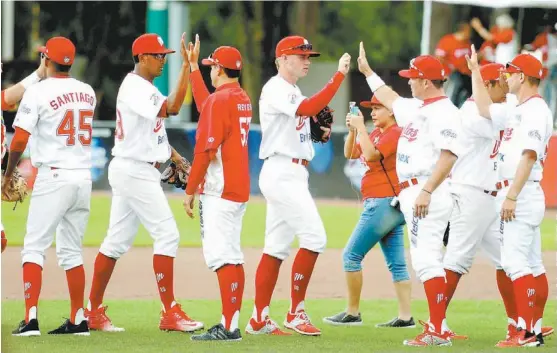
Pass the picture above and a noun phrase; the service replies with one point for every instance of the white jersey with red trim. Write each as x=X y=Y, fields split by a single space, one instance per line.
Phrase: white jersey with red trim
x=140 y=134
x=427 y=128
x=528 y=126
x=283 y=132
x=481 y=142
x=58 y=113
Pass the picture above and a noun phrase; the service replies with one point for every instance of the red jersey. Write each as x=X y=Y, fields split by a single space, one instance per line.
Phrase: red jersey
x=541 y=42
x=375 y=183
x=223 y=130
x=453 y=52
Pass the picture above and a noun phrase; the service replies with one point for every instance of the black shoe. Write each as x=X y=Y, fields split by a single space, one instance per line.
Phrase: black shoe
x=344 y=319
x=218 y=333
x=398 y=323
x=539 y=338
x=27 y=329
x=68 y=328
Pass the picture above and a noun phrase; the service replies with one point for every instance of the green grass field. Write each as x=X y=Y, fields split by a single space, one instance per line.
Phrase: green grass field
x=339 y=221
x=140 y=318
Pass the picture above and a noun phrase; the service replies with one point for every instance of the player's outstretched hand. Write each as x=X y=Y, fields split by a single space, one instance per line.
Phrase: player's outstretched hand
x=193 y=51
x=472 y=60
x=184 y=49
x=344 y=63
x=363 y=65
x=189 y=203
x=41 y=71
x=421 y=206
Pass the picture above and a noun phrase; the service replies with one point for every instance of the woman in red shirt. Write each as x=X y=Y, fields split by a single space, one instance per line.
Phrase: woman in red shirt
x=381 y=220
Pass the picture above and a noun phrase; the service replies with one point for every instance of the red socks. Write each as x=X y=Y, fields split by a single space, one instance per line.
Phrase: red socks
x=104 y=266
x=32 y=282
x=301 y=274
x=506 y=290
x=435 y=292
x=542 y=292
x=231 y=292
x=76 y=286
x=164 y=274
x=525 y=296
x=265 y=280
x=452 y=283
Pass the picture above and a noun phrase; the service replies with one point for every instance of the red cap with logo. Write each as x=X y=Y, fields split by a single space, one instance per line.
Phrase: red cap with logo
x=295 y=45
x=149 y=43
x=60 y=50
x=527 y=64
x=225 y=56
x=491 y=71
x=424 y=66
x=371 y=103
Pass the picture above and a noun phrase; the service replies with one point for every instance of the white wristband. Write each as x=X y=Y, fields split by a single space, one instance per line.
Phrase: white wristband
x=375 y=82
x=31 y=79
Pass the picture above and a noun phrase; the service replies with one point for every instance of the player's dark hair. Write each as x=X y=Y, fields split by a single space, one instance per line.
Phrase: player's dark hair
x=492 y=83
x=438 y=83
x=136 y=59
x=533 y=80
x=61 y=68
x=231 y=73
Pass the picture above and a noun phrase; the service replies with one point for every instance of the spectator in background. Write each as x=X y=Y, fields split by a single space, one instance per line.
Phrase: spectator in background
x=501 y=42
x=546 y=43
x=451 y=51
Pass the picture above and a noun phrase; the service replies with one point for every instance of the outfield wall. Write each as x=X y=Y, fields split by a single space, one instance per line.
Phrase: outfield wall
x=331 y=175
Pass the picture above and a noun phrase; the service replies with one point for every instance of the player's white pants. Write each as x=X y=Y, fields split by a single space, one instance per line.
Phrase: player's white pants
x=60 y=203
x=473 y=226
x=426 y=234
x=291 y=210
x=137 y=196
x=221 y=227
x=521 y=248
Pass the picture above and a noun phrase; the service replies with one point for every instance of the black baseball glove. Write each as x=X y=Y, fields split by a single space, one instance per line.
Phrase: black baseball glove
x=323 y=119
x=177 y=174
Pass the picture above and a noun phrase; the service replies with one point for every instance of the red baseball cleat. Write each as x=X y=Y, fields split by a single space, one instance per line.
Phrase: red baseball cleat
x=176 y=320
x=266 y=327
x=301 y=323
x=98 y=321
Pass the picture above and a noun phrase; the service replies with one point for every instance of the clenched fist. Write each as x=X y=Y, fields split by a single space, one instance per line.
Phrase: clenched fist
x=344 y=63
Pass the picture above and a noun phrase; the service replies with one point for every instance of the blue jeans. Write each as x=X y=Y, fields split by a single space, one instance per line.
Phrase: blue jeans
x=379 y=222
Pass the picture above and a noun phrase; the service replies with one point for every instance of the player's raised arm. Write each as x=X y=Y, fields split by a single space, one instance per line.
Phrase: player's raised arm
x=198 y=87
x=350 y=149
x=384 y=93
x=176 y=99
x=479 y=91
x=13 y=94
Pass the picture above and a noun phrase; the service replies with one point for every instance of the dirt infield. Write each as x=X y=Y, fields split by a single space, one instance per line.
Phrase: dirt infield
x=133 y=277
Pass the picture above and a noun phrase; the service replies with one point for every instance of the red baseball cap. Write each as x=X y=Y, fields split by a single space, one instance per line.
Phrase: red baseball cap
x=60 y=50
x=295 y=45
x=527 y=64
x=424 y=66
x=491 y=71
x=370 y=103
x=225 y=56
x=149 y=43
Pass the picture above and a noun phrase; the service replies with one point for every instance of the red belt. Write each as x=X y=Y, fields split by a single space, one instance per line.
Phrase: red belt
x=502 y=184
x=408 y=183
x=303 y=162
x=154 y=164
x=492 y=193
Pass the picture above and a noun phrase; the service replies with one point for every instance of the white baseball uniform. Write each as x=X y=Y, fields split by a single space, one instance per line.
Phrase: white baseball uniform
x=428 y=127
x=58 y=113
x=475 y=219
x=286 y=147
x=527 y=126
x=140 y=142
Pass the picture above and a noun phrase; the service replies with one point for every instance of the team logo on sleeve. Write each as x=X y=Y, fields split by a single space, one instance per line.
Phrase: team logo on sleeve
x=25 y=109
x=155 y=98
x=410 y=133
x=508 y=134
x=535 y=134
x=292 y=98
x=448 y=133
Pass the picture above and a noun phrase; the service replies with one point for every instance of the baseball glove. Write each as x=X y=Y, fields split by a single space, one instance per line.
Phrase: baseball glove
x=16 y=189
x=177 y=174
x=323 y=119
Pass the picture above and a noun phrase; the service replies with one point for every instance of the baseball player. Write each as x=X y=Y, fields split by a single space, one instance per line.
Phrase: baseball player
x=287 y=148
x=140 y=146
x=528 y=127
x=221 y=167
x=10 y=97
x=58 y=112
x=427 y=150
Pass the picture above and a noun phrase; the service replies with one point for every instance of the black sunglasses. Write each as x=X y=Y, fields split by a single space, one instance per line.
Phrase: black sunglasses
x=513 y=66
x=157 y=56
x=303 y=47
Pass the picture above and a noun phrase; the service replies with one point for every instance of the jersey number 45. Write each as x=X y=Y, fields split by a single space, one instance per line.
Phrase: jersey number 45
x=84 y=131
